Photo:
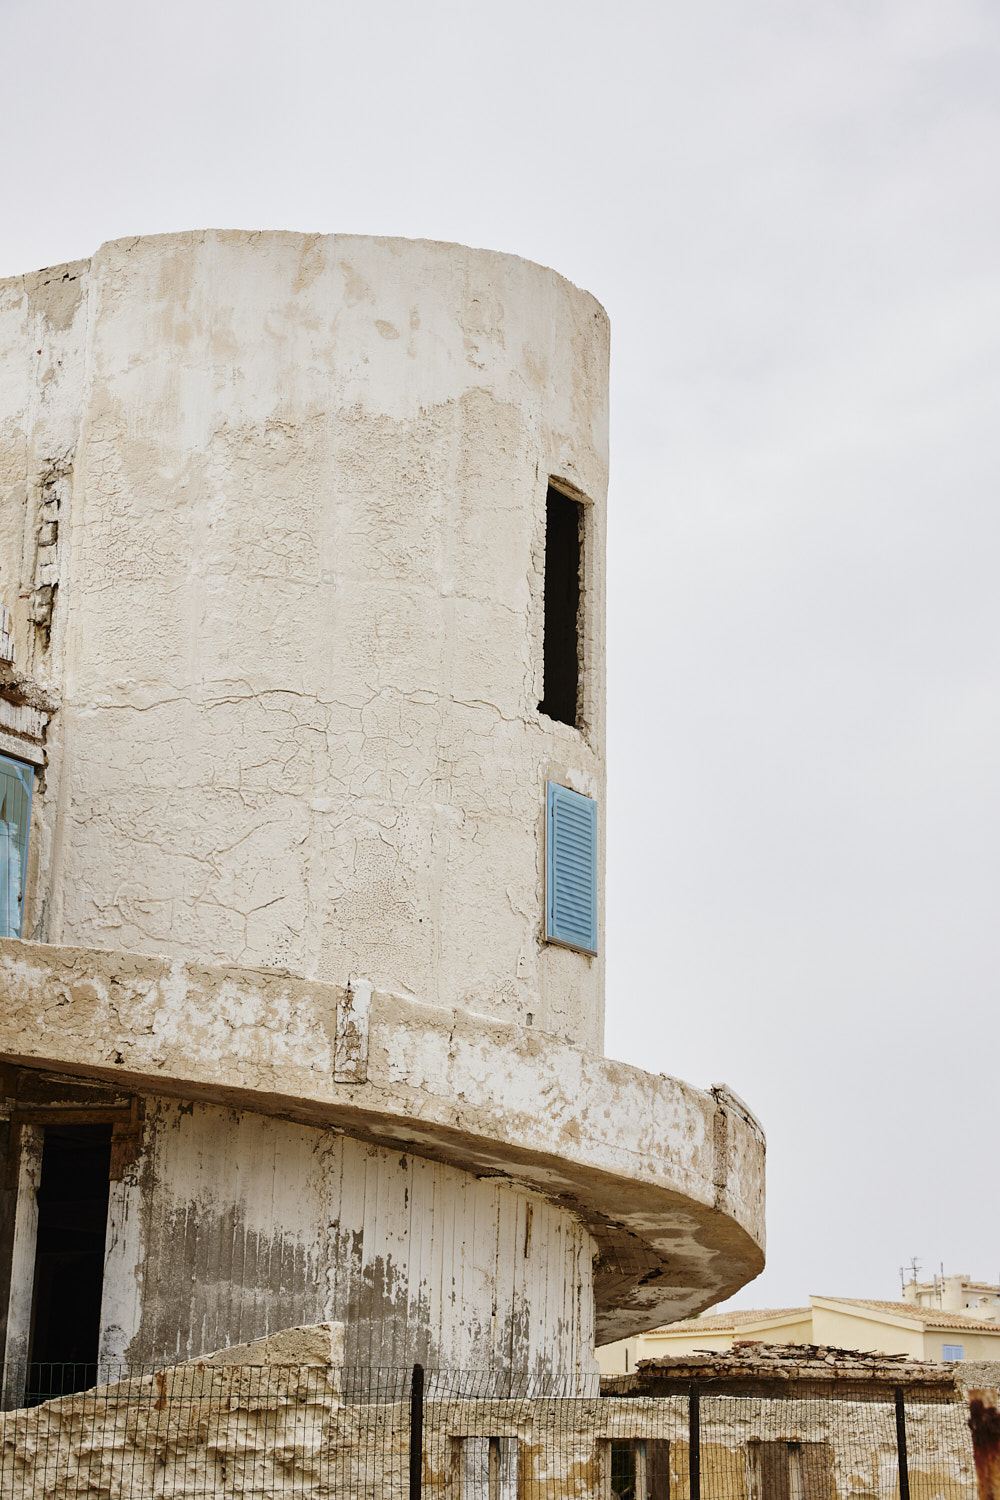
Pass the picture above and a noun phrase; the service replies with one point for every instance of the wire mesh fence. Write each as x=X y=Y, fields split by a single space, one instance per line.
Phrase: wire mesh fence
x=262 y=1431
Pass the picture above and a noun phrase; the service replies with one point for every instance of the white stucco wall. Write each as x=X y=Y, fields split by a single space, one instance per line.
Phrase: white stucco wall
x=231 y=1226
x=298 y=629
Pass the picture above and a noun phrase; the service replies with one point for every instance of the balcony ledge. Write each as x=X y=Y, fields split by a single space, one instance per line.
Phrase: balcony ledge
x=669 y=1179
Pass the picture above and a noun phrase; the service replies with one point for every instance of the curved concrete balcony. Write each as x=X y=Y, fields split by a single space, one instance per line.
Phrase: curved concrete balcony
x=668 y=1179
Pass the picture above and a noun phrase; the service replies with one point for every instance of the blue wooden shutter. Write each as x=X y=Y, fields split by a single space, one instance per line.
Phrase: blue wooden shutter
x=571 y=860
x=16 y=781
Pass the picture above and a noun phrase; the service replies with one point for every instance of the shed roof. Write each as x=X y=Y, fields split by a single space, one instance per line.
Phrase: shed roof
x=804 y=1370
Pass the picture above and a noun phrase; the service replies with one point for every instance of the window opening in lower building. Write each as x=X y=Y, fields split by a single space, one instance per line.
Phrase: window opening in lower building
x=790 y=1470
x=489 y=1468
x=561 y=641
x=69 y=1259
x=639 y=1469
x=16 y=781
x=623 y=1470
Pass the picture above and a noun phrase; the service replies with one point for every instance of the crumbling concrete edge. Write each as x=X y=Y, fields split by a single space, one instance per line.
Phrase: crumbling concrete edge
x=669 y=1179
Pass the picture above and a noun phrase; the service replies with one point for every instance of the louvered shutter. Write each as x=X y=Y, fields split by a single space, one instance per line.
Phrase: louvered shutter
x=571 y=860
x=16 y=781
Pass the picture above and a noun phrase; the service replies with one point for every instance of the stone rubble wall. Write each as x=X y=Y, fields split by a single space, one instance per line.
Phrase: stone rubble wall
x=286 y=1431
x=282 y=1418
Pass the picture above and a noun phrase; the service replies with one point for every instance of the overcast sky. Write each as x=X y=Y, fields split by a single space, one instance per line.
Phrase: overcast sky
x=791 y=213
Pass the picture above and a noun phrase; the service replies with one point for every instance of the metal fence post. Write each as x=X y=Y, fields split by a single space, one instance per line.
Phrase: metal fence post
x=694 y=1443
x=417 y=1432
x=904 y=1469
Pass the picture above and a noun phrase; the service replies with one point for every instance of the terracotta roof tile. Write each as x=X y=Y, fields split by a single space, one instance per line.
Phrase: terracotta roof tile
x=928 y=1317
x=728 y=1321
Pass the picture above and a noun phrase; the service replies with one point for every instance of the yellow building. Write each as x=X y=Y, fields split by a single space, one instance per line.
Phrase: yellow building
x=926 y=1333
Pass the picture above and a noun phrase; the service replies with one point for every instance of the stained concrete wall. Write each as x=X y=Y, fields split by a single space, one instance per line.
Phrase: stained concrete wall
x=231 y=1226
x=298 y=621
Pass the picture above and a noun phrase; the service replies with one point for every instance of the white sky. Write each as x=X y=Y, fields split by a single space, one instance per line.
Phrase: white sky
x=791 y=213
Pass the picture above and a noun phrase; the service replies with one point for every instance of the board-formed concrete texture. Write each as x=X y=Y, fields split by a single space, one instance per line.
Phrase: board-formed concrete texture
x=272 y=574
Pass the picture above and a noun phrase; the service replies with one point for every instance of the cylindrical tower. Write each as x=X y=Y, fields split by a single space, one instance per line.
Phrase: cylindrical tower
x=307 y=642
x=301 y=796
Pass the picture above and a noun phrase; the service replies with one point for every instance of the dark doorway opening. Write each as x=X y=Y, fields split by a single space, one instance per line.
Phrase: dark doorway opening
x=69 y=1259
x=561 y=645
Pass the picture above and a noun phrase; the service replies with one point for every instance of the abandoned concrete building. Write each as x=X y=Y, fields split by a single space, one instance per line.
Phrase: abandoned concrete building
x=302 y=768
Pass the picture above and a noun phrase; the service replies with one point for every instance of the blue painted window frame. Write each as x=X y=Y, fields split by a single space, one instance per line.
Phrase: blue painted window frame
x=17 y=781
x=571 y=831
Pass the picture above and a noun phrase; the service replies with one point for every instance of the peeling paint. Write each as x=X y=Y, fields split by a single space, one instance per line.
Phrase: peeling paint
x=631 y=1155
x=297 y=604
x=272 y=551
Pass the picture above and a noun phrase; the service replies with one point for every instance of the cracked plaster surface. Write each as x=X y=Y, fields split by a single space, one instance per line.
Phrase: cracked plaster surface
x=294 y=631
x=298 y=633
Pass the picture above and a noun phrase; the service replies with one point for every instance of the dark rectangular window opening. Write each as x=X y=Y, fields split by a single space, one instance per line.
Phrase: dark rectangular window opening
x=561 y=642
x=69 y=1260
x=785 y=1469
x=623 y=1470
x=640 y=1469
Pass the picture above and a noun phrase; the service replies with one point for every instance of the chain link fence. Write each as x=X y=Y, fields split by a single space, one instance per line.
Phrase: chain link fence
x=263 y=1431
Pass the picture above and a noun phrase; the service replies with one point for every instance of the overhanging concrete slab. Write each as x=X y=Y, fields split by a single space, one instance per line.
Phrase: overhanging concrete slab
x=669 y=1179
